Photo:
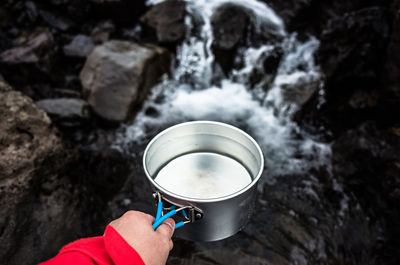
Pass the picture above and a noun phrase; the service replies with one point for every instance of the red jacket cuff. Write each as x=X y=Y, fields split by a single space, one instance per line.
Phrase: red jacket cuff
x=119 y=250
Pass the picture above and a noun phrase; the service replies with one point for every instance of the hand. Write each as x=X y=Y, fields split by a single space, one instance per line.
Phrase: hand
x=152 y=246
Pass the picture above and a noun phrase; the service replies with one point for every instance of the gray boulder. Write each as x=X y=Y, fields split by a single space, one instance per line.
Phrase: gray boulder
x=66 y=111
x=118 y=75
x=167 y=19
x=80 y=46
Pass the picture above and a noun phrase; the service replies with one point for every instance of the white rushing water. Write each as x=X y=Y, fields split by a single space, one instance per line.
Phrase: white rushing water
x=198 y=90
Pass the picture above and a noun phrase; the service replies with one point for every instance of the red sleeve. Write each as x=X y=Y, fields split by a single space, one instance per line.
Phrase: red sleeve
x=119 y=250
x=110 y=249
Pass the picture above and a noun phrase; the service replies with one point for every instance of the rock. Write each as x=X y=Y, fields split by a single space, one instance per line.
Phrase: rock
x=118 y=75
x=297 y=13
x=229 y=23
x=121 y=12
x=107 y=169
x=352 y=53
x=266 y=67
x=101 y=33
x=298 y=88
x=351 y=48
x=167 y=19
x=55 y=21
x=3 y=85
x=28 y=146
x=390 y=97
x=368 y=159
x=48 y=189
x=34 y=48
x=80 y=46
x=31 y=10
x=67 y=112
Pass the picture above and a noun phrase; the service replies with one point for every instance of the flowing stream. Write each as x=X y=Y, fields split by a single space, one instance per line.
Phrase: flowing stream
x=303 y=213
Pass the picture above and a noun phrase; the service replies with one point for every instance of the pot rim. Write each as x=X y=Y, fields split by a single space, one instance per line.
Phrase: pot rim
x=188 y=199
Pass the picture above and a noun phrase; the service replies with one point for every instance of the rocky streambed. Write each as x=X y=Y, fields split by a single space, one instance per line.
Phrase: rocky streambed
x=84 y=86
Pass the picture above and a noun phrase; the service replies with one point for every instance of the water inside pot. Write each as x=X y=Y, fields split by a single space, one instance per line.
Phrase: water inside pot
x=203 y=175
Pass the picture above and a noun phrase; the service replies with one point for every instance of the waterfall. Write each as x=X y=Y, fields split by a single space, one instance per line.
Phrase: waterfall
x=198 y=90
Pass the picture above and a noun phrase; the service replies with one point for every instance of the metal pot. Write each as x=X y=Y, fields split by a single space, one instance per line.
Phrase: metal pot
x=211 y=218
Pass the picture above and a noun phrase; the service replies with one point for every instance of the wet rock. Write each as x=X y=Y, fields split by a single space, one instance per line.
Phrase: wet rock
x=118 y=75
x=80 y=46
x=300 y=90
x=351 y=48
x=101 y=33
x=352 y=54
x=229 y=24
x=266 y=67
x=35 y=48
x=368 y=158
x=167 y=20
x=67 y=112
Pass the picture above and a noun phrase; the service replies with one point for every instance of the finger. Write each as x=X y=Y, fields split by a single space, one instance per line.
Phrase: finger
x=167 y=228
x=150 y=218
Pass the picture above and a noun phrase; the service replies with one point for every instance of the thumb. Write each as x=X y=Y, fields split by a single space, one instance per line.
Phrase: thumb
x=167 y=228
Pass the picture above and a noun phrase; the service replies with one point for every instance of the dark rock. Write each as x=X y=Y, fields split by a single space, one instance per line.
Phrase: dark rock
x=310 y=16
x=67 y=112
x=55 y=20
x=121 y=12
x=80 y=46
x=351 y=48
x=361 y=99
x=36 y=47
x=167 y=19
x=108 y=170
x=31 y=10
x=390 y=98
x=3 y=85
x=351 y=54
x=31 y=58
x=118 y=75
x=229 y=24
x=101 y=33
x=368 y=160
x=271 y=63
x=266 y=67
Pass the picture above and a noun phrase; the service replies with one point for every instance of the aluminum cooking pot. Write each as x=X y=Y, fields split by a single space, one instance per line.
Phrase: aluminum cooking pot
x=208 y=171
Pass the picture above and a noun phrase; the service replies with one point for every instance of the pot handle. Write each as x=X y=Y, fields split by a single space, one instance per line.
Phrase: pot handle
x=189 y=213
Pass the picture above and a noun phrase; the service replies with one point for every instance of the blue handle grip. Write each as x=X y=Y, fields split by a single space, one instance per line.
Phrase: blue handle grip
x=159 y=210
x=163 y=218
x=179 y=224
